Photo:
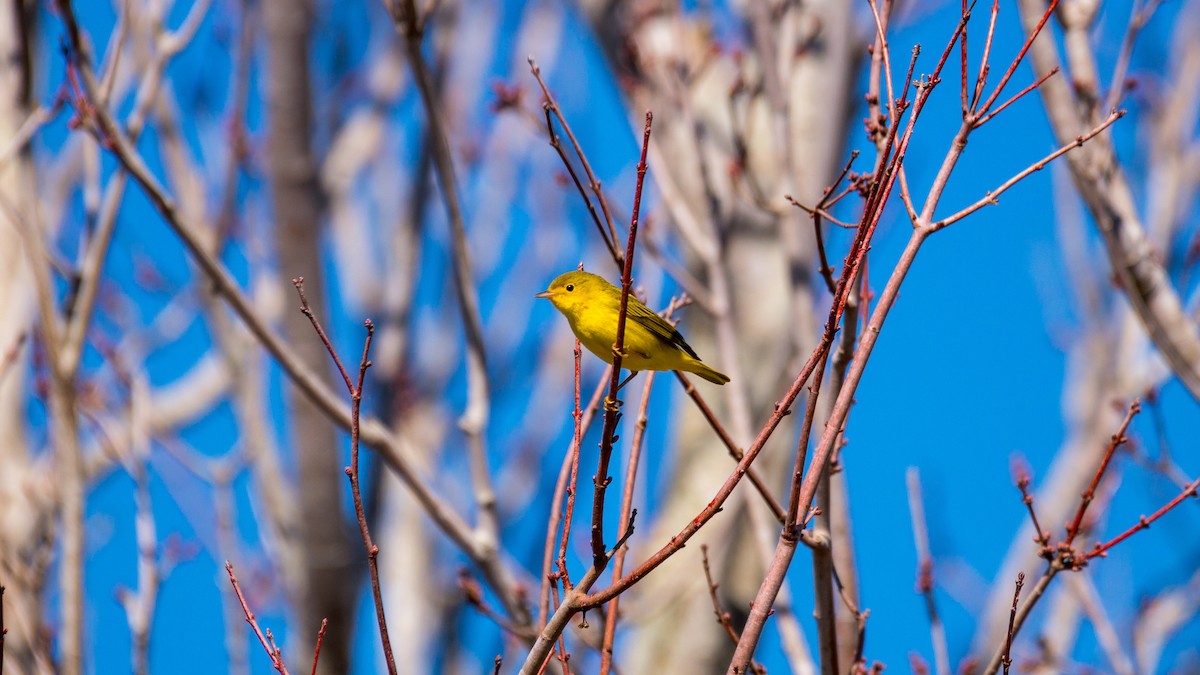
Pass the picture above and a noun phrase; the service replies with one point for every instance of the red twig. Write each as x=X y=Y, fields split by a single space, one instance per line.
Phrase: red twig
x=355 y=391
x=551 y=105
x=722 y=615
x=984 y=66
x=1017 y=96
x=1006 y=659
x=320 y=639
x=962 y=76
x=1041 y=536
x=3 y=630
x=577 y=414
x=611 y=409
x=817 y=212
x=570 y=461
x=734 y=451
x=273 y=652
x=1144 y=522
x=561 y=651
x=1086 y=499
x=994 y=196
x=1012 y=67
x=473 y=594
x=627 y=514
x=298 y=282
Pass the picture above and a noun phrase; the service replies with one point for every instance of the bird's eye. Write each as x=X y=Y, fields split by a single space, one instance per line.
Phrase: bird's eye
x=570 y=287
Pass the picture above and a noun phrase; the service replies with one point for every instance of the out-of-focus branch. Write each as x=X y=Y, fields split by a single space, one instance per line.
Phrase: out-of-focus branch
x=1100 y=179
x=1161 y=617
x=140 y=604
x=925 y=586
x=68 y=456
x=474 y=420
x=1106 y=634
x=722 y=615
x=169 y=45
x=26 y=525
x=609 y=233
x=395 y=450
x=331 y=572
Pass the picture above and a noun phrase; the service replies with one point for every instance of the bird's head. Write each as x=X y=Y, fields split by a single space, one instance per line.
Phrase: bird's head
x=570 y=292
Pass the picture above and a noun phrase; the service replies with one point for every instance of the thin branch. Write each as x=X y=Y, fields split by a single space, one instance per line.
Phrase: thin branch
x=1016 y=97
x=1118 y=439
x=610 y=237
x=734 y=451
x=1012 y=67
x=984 y=66
x=722 y=615
x=962 y=49
x=1140 y=13
x=993 y=197
x=550 y=107
x=573 y=483
x=569 y=471
x=1101 y=550
x=627 y=515
x=925 y=585
x=611 y=409
x=317 y=650
x=394 y=449
x=355 y=391
x=1041 y=536
x=474 y=597
x=474 y=419
x=1006 y=658
x=819 y=212
x=24 y=133
x=274 y=653
x=3 y=629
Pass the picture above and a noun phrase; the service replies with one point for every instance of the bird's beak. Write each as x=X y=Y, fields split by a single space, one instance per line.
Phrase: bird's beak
x=543 y=294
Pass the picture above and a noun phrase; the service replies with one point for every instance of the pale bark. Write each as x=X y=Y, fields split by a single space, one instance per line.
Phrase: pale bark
x=333 y=566
x=24 y=495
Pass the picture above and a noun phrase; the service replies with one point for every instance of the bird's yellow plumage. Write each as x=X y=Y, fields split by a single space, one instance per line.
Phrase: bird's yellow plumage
x=592 y=307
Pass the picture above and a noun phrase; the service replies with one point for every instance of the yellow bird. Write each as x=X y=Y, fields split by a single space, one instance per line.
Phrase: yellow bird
x=592 y=307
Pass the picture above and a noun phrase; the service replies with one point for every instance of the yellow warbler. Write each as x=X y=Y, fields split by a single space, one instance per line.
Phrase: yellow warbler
x=592 y=307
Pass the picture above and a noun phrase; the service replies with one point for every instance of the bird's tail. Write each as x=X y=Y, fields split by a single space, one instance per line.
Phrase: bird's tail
x=703 y=370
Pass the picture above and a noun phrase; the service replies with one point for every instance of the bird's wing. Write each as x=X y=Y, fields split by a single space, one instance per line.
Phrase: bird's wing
x=658 y=326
